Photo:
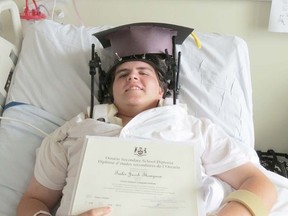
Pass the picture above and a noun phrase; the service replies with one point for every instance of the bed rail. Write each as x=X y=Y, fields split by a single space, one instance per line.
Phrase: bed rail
x=17 y=27
x=9 y=49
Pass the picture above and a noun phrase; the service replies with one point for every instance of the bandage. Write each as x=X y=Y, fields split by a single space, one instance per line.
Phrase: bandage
x=42 y=212
x=251 y=201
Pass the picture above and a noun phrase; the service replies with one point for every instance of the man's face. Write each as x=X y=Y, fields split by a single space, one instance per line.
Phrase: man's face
x=136 y=85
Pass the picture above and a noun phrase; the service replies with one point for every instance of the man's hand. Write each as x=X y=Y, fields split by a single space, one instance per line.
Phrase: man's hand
x=103 y=211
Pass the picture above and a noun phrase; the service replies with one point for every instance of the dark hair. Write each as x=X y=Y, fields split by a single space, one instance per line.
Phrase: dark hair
x=157 y=61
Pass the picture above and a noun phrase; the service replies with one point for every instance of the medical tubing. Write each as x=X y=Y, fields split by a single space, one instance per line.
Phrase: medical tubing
x=23 y=122
x=77 y=13
x=53 y=10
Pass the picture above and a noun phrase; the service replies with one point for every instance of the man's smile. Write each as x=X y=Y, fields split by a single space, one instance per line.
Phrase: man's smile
x=133 y=88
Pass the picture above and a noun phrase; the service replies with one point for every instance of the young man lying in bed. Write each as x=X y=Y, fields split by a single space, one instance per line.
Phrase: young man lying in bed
x=137 y=86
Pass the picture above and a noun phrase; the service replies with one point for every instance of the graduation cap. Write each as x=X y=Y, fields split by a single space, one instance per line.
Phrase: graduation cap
x=142 y=38
x=133 y=42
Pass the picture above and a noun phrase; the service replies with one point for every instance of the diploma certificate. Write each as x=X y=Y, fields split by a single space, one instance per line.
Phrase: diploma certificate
x=138 y=177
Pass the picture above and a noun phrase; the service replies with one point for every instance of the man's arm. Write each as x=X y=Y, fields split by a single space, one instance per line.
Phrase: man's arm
x=248 y=177
x=36 y=198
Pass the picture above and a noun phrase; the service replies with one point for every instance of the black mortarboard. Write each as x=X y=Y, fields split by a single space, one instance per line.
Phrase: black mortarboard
x=143 y=38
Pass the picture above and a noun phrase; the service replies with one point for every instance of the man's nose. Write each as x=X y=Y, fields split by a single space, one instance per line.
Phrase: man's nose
x=132 y=76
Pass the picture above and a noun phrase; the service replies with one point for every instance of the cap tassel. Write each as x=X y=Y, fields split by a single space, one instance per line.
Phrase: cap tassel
x=196 y=39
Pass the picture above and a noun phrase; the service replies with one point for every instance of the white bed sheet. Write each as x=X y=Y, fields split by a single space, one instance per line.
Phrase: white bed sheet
x=52 y=78
x=18 y=144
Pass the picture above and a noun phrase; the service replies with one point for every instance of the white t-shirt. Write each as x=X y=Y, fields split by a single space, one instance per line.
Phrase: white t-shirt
x=58 y=157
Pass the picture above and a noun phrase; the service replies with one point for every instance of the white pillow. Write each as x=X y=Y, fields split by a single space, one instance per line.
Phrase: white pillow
x=216 y=83
x=52 y=71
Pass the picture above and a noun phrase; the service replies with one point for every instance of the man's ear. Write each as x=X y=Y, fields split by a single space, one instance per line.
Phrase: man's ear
x=161 y=91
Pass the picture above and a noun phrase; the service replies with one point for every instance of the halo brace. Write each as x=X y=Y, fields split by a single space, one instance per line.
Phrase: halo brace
x=172 y=76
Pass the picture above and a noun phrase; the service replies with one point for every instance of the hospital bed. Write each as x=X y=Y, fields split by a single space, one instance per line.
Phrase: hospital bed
x=50 y=83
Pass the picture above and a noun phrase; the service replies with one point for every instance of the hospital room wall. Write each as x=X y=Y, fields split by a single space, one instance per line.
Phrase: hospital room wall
x=245 y=18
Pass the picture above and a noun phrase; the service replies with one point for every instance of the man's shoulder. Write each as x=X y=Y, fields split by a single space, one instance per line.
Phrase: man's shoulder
x=63 y=129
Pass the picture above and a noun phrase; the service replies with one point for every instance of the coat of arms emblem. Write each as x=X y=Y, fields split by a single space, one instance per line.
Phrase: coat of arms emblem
x=140 y=151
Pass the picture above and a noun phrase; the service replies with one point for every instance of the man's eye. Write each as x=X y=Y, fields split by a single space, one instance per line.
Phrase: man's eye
x=121 y=75
x=144 y=73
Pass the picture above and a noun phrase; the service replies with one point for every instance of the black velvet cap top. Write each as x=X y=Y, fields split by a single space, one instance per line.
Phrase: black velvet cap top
x=143 y=38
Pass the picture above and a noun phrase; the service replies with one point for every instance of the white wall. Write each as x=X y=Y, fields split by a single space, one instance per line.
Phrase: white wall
x=247 y=19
